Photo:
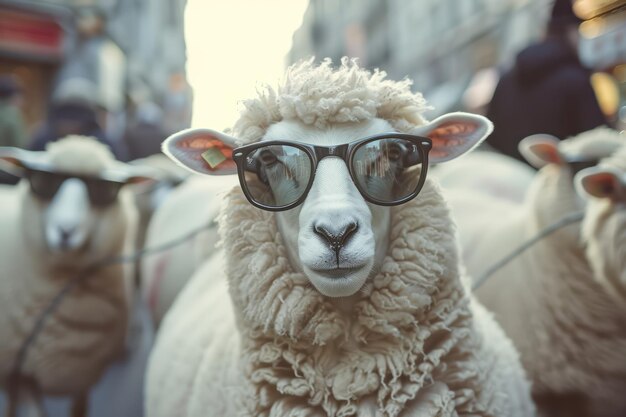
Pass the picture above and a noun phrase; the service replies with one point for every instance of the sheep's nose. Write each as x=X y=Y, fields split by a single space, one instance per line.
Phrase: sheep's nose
x=336 y=236
x=66 y=233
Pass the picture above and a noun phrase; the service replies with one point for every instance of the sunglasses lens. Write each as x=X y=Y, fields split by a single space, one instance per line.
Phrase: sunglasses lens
x=102 y=192
x=45 y=184
x=388 y=170
x=277 y=175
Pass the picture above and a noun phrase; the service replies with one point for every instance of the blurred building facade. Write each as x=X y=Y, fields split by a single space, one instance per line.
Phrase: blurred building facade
x=452 y=49
x=132 y=51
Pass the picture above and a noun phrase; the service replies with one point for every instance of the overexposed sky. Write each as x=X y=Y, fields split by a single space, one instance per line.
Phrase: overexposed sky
x=233 y=46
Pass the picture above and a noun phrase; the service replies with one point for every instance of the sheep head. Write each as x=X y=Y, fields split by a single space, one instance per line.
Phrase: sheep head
x=604 y=226
x=71 y=202
x=553 y=193
x=333 y=224
x=335 y=235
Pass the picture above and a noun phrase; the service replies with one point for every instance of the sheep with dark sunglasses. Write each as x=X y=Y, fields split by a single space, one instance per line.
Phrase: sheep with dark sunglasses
x=327 y=301
x=69 y=211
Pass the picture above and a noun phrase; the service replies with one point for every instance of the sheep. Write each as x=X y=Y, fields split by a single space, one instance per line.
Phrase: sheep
x=337 y=307
x=149 y=199
x=470 y=173
x=550 y=299
x=57 y=221
x=192 y=205
x=603 y=228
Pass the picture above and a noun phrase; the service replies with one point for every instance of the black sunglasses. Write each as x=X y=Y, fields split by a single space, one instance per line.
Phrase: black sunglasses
x=387 y=169
x=45 y=183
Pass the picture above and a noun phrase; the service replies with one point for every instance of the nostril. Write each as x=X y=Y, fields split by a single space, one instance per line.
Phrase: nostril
x=350 y=229
x=322 y=231
x=336 y=238
x=66 y=233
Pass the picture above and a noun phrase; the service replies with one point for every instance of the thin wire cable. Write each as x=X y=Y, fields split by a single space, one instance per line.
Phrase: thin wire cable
x=564 y=221
x=84 y=275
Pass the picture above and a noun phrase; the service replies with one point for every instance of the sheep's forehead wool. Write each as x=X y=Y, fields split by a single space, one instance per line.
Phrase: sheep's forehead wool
x=320 y=95
x=80 y=154
x=295 y=131
x=596 y=143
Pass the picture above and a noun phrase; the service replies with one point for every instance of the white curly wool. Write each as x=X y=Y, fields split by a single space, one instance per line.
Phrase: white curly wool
x=88 y=329
x=412 y=342
x=250 y=334
x=567 y=324
x=320 y=95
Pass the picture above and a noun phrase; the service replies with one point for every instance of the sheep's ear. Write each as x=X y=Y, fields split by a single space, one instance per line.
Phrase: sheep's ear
x=140 y=174
x=454 y=134
x=600 y=182
x=540 y=150
x=15 y=160
x=204 y=151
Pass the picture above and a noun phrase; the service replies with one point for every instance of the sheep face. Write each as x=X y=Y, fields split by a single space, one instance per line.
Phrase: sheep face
x=553 y=193
x=73 y=205
x=69 y=228
x=66 y=220
x=335 y=237
x=604 y=226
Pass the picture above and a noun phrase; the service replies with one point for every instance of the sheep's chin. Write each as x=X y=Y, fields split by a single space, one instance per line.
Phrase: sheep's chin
x=339 y=283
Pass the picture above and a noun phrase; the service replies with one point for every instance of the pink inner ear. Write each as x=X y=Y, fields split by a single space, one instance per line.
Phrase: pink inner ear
x=548 y=152
x=602 y=185
x=196 y=147
x=450 y=135
x=12 y=160
x=12 y=165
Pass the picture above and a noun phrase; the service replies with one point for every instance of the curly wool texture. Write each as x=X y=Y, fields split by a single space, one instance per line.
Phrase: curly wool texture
x=413 y=343
x=411 y=327
x=321 y=95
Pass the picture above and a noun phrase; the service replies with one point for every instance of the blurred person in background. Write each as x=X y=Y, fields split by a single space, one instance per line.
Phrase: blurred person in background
x=548 y=90
x=144 y=136
x=74 y=111
x=12 y=127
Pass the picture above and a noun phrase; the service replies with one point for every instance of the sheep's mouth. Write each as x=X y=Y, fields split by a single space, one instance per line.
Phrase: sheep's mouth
x=339 y=282
x=337 y=273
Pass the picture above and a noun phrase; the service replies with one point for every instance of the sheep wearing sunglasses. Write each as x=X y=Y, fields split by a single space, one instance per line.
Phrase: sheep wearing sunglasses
x=340 y=259
x=69 y=211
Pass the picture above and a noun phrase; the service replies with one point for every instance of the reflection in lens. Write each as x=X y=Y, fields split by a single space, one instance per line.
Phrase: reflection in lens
x=277 y=175
x=387 y=169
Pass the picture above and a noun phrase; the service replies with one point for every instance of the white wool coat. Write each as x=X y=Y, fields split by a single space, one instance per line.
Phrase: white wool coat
x=192 y=205
x=88 y=329
x=468 y=172
x=249 y=335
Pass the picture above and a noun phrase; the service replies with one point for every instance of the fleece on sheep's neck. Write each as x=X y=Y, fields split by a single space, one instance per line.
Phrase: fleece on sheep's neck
x=410 y=326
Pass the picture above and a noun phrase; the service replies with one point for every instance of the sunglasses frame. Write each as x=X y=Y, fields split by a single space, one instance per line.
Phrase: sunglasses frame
x=344 y=151
x=29 y=170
